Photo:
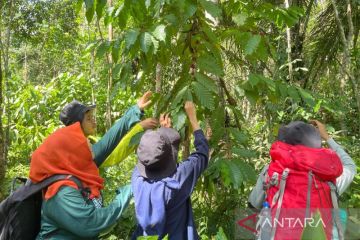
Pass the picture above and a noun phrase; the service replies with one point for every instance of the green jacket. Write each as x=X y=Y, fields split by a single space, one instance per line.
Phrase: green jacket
x=67 y=215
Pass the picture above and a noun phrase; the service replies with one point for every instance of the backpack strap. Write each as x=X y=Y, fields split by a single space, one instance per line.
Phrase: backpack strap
x=308 y=195
x=336 y=217
x=31 y=188
x=13 y=183
x=284 y=176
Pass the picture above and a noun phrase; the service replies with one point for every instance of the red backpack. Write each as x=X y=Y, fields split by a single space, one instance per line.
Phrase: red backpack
x=300 y=182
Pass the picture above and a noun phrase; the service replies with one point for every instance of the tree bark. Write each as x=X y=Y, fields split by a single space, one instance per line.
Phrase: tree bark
x=110 y=73
x=158 y=84
x=288 y=50
x=4 y=74
x=347 y=46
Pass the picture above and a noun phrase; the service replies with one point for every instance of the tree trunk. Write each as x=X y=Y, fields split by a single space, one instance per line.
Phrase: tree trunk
x=288 y=50
x=25 y=70
x=2 y=142
x=157 y=86
x=110 y=79
x=347 y=46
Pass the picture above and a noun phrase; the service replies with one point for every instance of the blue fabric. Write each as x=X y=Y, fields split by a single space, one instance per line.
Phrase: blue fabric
x=163 y=207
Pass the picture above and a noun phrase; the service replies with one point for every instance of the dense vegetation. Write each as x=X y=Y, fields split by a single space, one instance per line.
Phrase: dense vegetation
x=249 y=66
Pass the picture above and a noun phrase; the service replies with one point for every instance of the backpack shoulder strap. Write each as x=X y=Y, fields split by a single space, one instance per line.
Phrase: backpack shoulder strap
x=336 y=213
x=284 y=176
x=31 y=188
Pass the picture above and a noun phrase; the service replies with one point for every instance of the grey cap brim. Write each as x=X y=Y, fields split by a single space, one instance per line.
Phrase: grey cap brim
x=164 y=172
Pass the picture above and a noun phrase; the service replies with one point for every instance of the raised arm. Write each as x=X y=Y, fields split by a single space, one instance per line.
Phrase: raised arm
x=112 y=137
x=349 y=167
x=124 y=148
x=190 y=170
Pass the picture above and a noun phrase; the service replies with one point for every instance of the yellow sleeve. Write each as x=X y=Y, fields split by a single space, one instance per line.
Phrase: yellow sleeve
x=123 y=149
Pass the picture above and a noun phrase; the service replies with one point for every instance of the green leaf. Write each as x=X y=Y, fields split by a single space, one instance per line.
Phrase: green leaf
x=240 y=19
x=180 y=96
x=220 y=235
x=238 y=135
x=155 y=43
x=206 y=82
x=122 y=15
x=235 y=173
x=283 y=90
x=293 y=93
x=90 y=10
x=252 y=44
x=102 y=49
x=203 y=95
x=254 y=79
x=306 y=96
x=159 y=33
x=131 y=37
x=208 y=64
x=100 y=4
x=212 y=8
x=109 y=16
x=315 y=231
x=179 y=120
x=145 y=41
x=247 y=171
x=115 y=51
x=189 y=9
x=244 y=153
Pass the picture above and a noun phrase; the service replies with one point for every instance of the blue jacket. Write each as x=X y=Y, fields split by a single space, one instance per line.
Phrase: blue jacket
x=163 y=207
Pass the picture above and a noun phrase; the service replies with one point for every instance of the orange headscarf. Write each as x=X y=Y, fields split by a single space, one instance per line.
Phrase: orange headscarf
x=66 y=151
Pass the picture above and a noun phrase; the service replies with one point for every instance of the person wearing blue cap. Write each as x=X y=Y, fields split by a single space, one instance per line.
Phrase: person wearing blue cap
x=162 y=187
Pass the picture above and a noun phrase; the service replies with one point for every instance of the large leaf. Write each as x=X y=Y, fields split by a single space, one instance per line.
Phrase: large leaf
x=180 y=96
x=205 y=97
x=189 y=8
x=252 y=44
x=131 y=37
x=247 y=171
x=238 y=135
x=90 y=9
x=122 y=15
x=212 y=8
x=244 y=153
x=116 y=50
x=179 y=120
x=306 y=96
x=206 y=82
x=254 y=79
x=145 y=41
x=100 y=5
x=102 y=49
x=209 y=64
x=294 y=94
x=159 y=33
x=240 y=19
x=316 y=230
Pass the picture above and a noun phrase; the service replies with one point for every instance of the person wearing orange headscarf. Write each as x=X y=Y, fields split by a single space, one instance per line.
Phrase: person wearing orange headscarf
x=67 y=211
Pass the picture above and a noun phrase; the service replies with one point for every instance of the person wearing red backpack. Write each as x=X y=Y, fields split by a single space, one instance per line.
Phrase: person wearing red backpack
x=301 y=180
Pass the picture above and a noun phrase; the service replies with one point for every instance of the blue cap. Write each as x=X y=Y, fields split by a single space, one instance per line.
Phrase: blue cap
x=266 y=205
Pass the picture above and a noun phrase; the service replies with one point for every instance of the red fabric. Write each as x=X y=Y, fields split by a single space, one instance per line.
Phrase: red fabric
x=66 y=151
x=325 y=165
